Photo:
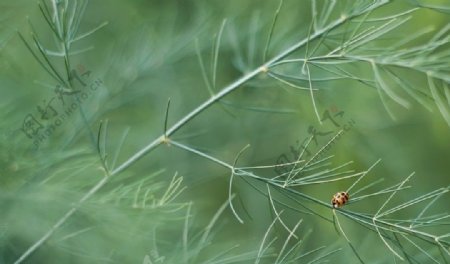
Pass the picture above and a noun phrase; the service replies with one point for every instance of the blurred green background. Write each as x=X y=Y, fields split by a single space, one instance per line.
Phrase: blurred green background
x=147 y=54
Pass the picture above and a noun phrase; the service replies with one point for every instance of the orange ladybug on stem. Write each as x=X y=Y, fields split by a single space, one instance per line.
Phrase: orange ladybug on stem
x=339 y=199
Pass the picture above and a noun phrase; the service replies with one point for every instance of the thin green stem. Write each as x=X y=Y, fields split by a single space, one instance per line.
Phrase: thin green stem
x=61 y=221
x=188 y=117
x=373 y=221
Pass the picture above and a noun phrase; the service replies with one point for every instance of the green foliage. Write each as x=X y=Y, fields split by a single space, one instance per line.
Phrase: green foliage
x=105 y=107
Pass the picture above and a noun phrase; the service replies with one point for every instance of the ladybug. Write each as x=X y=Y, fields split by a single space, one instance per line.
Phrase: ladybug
x=339 y=199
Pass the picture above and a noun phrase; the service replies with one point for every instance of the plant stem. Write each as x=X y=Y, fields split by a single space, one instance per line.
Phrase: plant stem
x=161 y=139
x=358 y=217
x=61 y=221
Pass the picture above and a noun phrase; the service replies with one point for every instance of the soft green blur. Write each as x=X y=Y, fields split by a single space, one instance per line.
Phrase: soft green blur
x=146 y=55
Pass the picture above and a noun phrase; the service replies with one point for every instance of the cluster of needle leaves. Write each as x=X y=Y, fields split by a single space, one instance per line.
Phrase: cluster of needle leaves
x=335 y=45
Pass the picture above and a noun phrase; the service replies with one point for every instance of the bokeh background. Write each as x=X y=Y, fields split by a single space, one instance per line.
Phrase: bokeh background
x=147 y=53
